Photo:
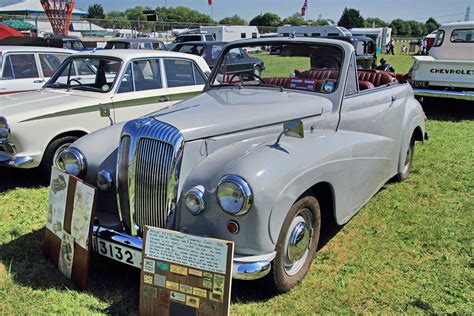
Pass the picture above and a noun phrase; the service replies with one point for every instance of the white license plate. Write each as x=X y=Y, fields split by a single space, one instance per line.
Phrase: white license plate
x=118 y=252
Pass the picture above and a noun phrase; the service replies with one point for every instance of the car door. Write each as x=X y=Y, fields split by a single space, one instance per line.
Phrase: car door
x=372 y=120
x=20 y=73
x=184 y=79
x=140 y=90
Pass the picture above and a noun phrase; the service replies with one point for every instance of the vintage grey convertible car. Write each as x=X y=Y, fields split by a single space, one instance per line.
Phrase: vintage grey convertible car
x=258 y=160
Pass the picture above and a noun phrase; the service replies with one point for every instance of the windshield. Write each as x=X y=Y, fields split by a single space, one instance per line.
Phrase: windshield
x=86 y=73
x=299 y=66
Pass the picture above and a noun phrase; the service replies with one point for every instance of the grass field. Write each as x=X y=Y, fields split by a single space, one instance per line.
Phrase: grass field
x=409 y=250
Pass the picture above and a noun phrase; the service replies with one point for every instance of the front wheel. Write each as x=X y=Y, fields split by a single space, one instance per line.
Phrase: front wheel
x=296 y=244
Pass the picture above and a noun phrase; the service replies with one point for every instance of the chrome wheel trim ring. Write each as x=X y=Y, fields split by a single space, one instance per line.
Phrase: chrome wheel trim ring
x=407 y=159
x=298 y=242
x=58 y=153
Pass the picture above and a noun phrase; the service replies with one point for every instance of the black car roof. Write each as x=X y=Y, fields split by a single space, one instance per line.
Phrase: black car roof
x=135 y=40
x=202 y=43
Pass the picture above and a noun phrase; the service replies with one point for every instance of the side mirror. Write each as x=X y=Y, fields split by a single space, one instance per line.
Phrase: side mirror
x=291 y=129
x=294 y=129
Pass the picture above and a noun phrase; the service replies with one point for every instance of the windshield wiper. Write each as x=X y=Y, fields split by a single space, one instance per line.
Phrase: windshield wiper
x=85 y=88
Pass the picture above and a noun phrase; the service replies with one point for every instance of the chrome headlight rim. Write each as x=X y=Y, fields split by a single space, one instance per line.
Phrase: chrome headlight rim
x=109 y=180
x=198 y=194
x=79 y=159
x=244 y=188
x=4 y=128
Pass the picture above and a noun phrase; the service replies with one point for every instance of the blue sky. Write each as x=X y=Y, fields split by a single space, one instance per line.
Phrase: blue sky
x=385 y=9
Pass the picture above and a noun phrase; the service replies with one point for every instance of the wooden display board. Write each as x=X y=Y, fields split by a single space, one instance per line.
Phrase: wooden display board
x=184 y=274
x=68 y=231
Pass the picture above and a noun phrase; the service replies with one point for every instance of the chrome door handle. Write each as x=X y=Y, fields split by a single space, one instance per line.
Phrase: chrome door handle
x=38 y=81
x=164 y=98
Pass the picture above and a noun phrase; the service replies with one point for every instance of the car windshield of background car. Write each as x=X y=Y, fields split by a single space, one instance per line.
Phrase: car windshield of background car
x=86 y=73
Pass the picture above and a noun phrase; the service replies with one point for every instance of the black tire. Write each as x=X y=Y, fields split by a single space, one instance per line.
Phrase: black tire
x=403 y=175
x=257 y=71
x=49 y=154
x=281 y=275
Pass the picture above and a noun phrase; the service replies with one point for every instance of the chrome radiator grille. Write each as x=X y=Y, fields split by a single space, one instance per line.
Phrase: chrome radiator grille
x=153 y=165
x=148 y=165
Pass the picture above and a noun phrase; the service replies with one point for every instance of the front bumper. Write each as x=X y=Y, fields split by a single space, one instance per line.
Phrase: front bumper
x=14 y=161
x=459 y=95
x=244 y=267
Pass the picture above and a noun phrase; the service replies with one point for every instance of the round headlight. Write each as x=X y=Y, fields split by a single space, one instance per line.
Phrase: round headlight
x=104 y=180
x=234 y=195
x=72 y=161
x=194 y=200
x=3 y=122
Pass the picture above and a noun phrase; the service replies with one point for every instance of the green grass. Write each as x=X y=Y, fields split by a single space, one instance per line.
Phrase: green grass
x=409 y=250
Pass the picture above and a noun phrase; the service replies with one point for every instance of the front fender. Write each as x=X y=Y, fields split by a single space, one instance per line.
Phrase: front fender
x=278 y=175
x=414 y=119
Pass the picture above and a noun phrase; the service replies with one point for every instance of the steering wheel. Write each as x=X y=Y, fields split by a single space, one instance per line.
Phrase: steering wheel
x=76 y=80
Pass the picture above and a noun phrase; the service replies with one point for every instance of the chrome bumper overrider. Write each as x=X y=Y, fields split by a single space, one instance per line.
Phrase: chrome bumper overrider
x=244 y=268
x=18 y=162
x=460 y=95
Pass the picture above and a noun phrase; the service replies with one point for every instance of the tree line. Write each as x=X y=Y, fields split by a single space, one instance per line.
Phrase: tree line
x=350 y=18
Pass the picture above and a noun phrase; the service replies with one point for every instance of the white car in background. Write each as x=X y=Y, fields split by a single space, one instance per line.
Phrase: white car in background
x=448 y=71
x=24 y=68
x=92 y=90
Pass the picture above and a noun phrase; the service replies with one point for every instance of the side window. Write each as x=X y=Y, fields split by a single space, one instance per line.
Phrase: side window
x=179 y=73
x=351 y=81
x=254 y=35
x=209 y=38
x=50 y=63
x=127 y=81
x=198 y=78
x=439 y=38
x=145 y=46
x=22 y=66
x=8 y=69
x=77 y=45
x=243 y=35
x=463 y=36
x=147 y=74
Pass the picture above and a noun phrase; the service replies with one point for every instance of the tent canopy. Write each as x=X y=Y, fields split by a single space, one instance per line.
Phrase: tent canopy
x=19 y=25
x=6 y=31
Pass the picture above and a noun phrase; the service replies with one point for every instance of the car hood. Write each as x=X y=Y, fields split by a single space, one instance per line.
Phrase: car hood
x=28 y=105
x=228 y=110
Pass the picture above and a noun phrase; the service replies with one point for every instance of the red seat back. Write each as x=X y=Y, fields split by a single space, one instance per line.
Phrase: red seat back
x=376 y=77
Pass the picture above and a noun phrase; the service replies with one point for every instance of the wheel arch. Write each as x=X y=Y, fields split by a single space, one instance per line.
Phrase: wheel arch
x=76 y=133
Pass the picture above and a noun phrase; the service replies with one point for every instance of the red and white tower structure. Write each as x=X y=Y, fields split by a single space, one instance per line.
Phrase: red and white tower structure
x=59 y=13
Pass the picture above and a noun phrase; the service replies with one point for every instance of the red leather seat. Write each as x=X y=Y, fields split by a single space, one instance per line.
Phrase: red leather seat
x=364 y=85
x=278 y=81
x=318 y=74
x=376 y=77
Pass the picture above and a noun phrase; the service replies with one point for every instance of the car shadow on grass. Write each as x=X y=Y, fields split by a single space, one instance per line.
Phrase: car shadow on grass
x=448 y=110
x=12 y=178
x=109 y=281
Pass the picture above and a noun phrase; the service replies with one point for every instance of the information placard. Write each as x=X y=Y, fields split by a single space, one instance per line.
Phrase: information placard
x=184 y=274
x=68 y=231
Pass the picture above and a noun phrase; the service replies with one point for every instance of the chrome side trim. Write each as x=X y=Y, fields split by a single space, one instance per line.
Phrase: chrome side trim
x=459 y=95
x=17 y=162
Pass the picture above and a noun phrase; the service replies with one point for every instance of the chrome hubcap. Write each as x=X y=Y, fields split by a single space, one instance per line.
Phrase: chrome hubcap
x=298 y=242
x=56 y=161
